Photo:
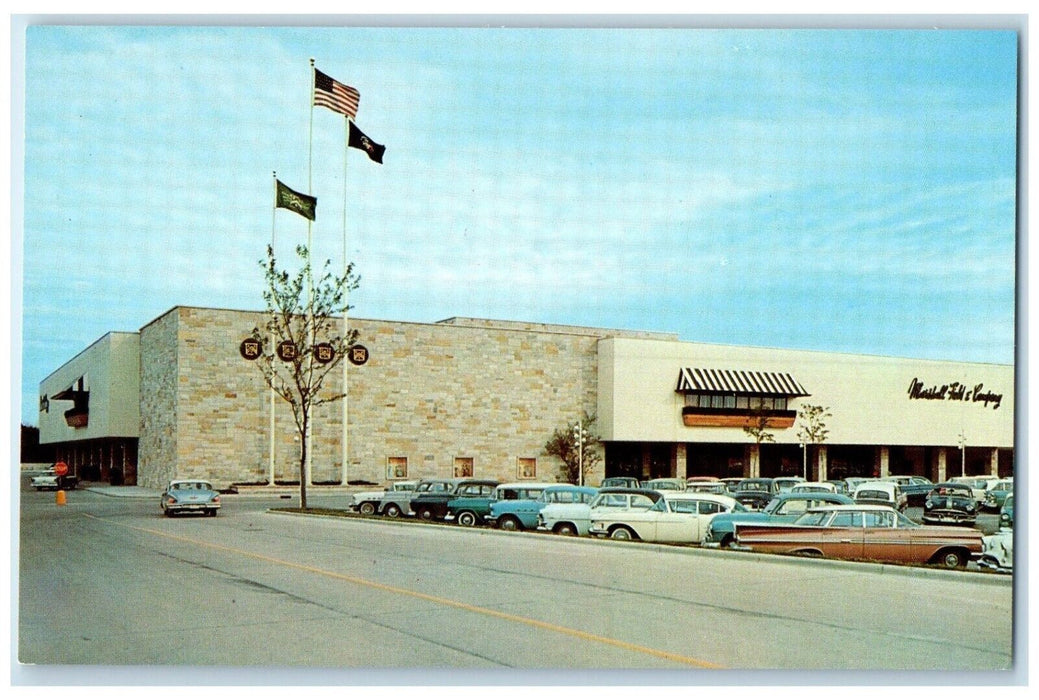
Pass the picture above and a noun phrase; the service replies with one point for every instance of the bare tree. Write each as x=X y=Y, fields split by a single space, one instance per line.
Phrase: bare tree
x=575 y=445
x=757 y=424
x=302 y=341
x=812 y=429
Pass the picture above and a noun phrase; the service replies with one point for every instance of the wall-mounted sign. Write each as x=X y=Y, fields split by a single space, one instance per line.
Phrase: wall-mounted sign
x=287 y=350
x=324 y=353
x=45 y=404
x=358 y=354
x=956 y=391
x=251 y=348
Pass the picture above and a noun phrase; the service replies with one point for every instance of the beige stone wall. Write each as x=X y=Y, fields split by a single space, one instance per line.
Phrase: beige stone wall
x=157 y=443
x=430 y=392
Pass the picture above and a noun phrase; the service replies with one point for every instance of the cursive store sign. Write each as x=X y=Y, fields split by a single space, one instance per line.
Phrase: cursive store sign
x=955 y=391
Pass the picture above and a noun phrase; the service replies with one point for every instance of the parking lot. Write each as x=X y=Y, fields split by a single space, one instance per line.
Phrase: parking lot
x=107 y=580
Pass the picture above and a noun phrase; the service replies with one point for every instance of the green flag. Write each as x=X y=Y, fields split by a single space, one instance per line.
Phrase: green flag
x=302 y=204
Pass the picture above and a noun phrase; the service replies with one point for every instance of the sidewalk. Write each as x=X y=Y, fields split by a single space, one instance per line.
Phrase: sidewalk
x=258 y=491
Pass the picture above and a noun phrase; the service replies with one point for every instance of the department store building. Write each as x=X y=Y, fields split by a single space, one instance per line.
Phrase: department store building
x=464 y=396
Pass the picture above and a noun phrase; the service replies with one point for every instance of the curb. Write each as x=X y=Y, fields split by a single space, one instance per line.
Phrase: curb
x=851 y=566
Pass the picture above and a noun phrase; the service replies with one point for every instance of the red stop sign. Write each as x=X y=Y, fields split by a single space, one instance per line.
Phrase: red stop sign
x=61 y=469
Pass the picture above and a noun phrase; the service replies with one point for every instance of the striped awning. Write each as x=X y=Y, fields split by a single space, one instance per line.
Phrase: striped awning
x=738 y=381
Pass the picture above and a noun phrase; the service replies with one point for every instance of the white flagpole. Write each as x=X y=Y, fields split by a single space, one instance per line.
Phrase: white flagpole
x=310 y=278
x=345 y=479
x=270 y=458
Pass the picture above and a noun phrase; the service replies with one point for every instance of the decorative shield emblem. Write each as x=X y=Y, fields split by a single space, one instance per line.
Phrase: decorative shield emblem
x=324 y=353
x=358 y=354
x=251 y=348
x=287 y=350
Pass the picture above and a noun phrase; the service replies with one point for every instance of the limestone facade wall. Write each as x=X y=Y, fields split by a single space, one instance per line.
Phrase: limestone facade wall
x=435 y=395
x=157 y=440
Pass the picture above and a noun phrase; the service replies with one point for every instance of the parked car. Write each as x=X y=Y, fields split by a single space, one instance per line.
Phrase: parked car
x=619 y=481
x=915 y=488
x=998 y=551
x=666 y=484
x=522 y=514
x=995 y=496
x=880 y=493
x=783 y=508
x=813 y=487
x=1006 y=513
x=432 y=505
x=50 y=481
x=189 y=496
x=785 y=483
x=641 y=514
x=566 y=518
x=731 y=482
x=367 y=502
x=951 y=502
x=397 y=503
x=755 y=493
x=979 y=485
x=852 y=482
x=716 y=487
x=863 y=532
x=473 y=502
x=839 y=485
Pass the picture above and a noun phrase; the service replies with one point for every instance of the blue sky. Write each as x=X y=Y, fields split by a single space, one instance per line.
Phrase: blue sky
x=839 y=190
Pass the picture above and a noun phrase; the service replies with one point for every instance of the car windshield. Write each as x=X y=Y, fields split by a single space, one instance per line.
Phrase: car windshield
x=812 y=517
x=880 y=495
x=191 y=486
x=953 y=491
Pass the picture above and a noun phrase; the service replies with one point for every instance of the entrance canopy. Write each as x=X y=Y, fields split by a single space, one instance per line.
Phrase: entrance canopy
x=696 y=379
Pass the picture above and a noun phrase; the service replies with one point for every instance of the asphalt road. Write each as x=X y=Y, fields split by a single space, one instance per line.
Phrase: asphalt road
x=109 y=581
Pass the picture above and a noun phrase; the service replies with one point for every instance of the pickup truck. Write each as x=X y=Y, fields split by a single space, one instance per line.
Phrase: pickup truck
x=367 y=502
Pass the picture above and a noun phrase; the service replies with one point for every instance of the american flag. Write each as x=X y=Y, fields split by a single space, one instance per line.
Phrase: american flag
x=334 y=95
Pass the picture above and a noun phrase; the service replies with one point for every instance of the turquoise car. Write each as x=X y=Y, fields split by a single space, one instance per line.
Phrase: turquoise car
x=523 y=514
x=470 y=508
x=998 y=493
x=783 y=508
x=1006 y=513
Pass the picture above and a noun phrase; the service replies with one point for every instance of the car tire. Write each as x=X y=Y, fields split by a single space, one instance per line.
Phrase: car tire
x=728 y=542
x=391 y=511
x=424 y=513
x=622 y=532
x=951 y=559
x=466 y=518
x=509 y=523
x=565 y=529
x=366 y=508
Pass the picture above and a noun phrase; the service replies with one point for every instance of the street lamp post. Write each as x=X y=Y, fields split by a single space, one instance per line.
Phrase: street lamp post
x=963 y=454
x=579 y=434
x=804 y=460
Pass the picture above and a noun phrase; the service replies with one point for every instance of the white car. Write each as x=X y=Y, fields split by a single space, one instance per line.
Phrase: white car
x=367 y=502
x=565 y=518
x=814 y=487
x=998 y=551
x=979 y=485
x=652 y=516
x=881 y=493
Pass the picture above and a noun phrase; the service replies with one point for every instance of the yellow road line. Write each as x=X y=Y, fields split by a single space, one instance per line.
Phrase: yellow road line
x=588 y=636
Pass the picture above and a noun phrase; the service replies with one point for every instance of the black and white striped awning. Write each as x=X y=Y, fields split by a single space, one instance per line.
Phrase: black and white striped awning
x=725 y=381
